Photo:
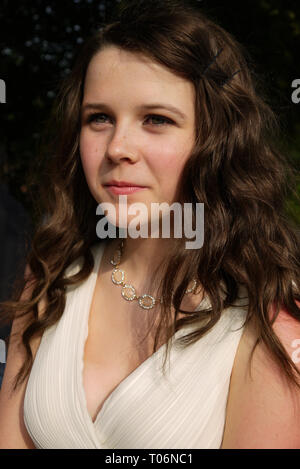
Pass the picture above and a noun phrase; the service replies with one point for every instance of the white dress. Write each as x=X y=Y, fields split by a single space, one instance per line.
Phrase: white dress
x=184 y=409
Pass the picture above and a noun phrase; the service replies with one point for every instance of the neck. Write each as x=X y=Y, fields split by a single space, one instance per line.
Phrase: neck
x=142 y=256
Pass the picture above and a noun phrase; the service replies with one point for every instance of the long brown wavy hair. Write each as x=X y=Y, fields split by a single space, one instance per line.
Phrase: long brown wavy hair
x=235 y=169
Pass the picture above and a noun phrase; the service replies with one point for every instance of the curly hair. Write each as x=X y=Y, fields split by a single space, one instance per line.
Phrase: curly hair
x=235 y=169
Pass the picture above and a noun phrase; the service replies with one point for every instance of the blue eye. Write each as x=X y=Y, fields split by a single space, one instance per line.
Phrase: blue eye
x=163 y=120
x=93 y=117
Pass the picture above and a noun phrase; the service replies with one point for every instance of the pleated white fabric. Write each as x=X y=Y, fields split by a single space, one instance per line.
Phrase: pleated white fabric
x=184 y=409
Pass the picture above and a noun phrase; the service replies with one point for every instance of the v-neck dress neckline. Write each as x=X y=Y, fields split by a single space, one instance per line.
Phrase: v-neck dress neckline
x=124 y=383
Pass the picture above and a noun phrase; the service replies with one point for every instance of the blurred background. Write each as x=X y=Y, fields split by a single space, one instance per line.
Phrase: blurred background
x=38 y=40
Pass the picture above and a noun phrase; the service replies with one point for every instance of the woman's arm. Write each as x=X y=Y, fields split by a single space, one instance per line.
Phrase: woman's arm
x=262 y=411
x=13 y=433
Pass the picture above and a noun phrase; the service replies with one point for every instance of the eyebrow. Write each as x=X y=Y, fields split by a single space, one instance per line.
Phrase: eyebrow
x=168 y=107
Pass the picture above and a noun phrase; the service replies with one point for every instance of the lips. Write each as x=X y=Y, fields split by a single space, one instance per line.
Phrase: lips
x=122 y=184
x=124 y=190
x=123 y=187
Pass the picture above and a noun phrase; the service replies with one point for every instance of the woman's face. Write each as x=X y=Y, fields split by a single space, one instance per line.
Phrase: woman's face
x=127 y=131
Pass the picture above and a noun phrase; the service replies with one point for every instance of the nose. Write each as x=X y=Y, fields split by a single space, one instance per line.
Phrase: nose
x=121 y=146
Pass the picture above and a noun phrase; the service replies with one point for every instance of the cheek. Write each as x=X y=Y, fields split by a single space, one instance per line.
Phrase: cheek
x=90 y=154
x=169 y=162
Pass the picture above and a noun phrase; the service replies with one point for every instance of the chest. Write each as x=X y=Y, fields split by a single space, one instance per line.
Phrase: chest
x=119 y=340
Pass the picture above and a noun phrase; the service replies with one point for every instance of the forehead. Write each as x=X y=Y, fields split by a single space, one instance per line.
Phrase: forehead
x=115 y=73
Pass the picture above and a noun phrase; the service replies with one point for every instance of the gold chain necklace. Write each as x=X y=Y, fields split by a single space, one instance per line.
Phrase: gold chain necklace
x=128 y=291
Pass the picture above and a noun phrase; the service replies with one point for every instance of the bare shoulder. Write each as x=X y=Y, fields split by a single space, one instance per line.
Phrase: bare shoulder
x=262 y=409
x=13 y=433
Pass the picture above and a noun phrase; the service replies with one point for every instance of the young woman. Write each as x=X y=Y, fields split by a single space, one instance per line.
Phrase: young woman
x=162 y=103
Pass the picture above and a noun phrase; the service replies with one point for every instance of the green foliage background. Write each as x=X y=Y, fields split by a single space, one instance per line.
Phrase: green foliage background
x=38 y=40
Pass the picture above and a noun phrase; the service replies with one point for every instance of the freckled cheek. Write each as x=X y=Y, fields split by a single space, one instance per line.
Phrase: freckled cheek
x=90 y=153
